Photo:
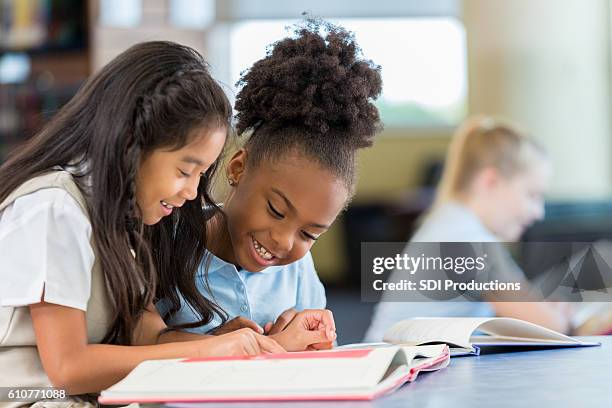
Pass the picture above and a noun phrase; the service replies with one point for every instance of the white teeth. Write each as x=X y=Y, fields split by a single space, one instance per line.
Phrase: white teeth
x=165 y=204
x=262 y=251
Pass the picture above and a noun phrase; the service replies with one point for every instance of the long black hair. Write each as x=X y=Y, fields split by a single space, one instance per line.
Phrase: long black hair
x=151 y=96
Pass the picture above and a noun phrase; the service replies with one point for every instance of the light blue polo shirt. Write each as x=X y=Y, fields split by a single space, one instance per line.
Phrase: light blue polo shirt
x=451 y=222
x=258 y=296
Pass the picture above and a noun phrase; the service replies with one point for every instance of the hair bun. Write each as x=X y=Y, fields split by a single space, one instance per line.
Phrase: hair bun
x=319 y=84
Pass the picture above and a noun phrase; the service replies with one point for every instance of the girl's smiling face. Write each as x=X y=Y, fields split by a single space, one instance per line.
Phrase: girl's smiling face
x=278 y=209
x=168 y=178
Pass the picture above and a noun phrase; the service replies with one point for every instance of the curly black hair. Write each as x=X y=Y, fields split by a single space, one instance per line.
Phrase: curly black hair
x=312 y=93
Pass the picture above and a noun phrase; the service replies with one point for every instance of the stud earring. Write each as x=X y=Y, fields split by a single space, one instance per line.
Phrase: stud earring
x=231 y=181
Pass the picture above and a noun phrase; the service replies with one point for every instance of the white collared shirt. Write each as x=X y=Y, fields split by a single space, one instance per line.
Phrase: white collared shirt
x=45 y=244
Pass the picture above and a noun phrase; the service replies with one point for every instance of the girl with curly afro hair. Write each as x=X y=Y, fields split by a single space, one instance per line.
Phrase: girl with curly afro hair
x=307 y=108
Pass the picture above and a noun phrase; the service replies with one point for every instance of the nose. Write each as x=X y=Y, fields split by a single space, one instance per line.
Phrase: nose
x=190 y=189
x=282 y=240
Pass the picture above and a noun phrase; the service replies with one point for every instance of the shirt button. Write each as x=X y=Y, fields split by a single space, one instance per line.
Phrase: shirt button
x=243 y=308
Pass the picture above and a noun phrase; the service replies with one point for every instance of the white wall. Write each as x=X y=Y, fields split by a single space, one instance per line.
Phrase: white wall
x=546 y=65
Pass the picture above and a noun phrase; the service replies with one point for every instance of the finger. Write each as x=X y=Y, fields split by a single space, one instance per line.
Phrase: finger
x=328 y=319
x=244 y=322
x=250 y=343
x=317 y=317
x=268 y=345
x=268 y=327
x=311 y=337
x=283 y=321
x=327 y=345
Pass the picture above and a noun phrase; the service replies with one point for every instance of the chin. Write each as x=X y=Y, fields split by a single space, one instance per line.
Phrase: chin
x=251 y=267
x=514 y=237
x=148 y=220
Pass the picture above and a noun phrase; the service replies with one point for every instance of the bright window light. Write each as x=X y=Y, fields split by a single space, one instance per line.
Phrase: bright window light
x=423 y=62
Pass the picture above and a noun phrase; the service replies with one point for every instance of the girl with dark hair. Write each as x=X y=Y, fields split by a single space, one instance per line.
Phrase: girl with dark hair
x=101 y=213
x=308 y=109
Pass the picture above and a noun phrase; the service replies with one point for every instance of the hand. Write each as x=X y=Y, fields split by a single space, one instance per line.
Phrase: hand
x=567 y=309
x=282 y=321
x=238 y=343
x=237 y=323
x=312 y=329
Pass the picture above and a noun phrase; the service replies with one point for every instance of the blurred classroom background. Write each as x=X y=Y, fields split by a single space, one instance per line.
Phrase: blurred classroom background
x=543 y=64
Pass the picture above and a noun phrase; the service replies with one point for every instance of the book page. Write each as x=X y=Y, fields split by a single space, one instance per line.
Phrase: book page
x=522 y=331
x=459 y=331
x=412 y=353
x=420 y=352
x=416 y=331
x=260 y=375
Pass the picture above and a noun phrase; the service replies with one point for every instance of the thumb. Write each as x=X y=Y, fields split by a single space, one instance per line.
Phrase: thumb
x=318 y=336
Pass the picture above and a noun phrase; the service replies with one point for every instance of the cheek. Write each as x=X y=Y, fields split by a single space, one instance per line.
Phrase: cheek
x=519 y=211
x=172 y=187
x=246 y=213
x=239 y=223
x=148 y=184
x=142 y=190
x=519 y=202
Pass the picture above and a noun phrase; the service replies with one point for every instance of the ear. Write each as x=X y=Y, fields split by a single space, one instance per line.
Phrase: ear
x=489 y=178
x=237 y=166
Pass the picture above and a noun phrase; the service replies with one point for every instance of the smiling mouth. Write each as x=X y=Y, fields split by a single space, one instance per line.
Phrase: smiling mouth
x=262 y=251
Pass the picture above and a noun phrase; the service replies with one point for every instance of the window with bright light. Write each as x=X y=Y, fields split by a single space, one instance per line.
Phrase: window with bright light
x=423 y=62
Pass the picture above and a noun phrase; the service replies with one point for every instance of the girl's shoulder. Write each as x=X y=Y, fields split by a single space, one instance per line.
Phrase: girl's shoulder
x=45 y=241
x=303 y=270
x=453 y=222
x=55 y=201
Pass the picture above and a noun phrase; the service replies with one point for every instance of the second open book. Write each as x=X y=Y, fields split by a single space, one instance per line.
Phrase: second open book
x=465 y=335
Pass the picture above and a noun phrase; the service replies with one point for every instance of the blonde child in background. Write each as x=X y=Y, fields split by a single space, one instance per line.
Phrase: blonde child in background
x=491 y=190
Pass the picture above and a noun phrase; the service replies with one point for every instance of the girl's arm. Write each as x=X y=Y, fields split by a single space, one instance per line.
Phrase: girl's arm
x=78 y=367
x=175 y=336
x=150 y=326
x=305 y=334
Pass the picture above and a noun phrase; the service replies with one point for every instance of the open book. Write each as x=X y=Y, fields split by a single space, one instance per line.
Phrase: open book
x=465 y=335
x=360 y=374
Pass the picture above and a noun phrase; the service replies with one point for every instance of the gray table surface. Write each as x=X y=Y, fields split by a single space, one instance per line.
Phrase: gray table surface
x=562 y=377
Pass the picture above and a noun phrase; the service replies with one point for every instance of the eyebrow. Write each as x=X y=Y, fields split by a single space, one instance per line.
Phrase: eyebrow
x=292 y=207
x=193 y=160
